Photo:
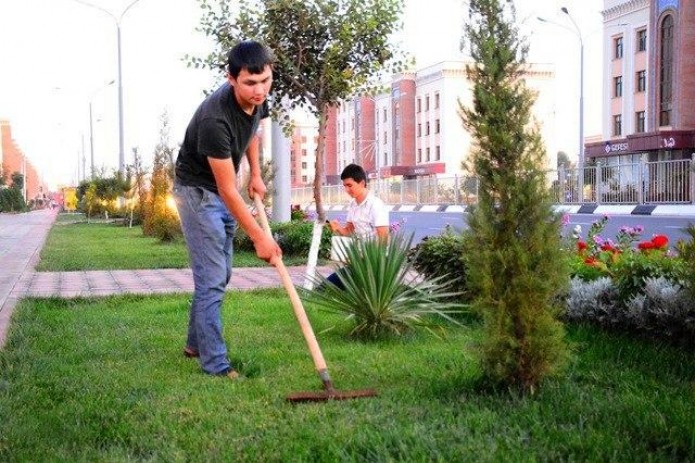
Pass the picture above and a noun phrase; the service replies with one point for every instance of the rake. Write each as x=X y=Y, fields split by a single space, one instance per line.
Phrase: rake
x=329 y=392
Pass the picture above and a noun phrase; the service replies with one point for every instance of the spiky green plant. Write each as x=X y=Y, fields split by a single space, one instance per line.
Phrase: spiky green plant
x=382 y=295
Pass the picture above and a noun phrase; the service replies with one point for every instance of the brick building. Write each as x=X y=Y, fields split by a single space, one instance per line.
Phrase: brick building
x=13 y=160
x=649 y=84
x=415 y=129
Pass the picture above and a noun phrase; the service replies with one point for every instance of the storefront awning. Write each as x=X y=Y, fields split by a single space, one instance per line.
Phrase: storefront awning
x=643 y=142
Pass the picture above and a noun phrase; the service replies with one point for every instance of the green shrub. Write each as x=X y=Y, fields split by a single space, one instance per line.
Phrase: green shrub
x=378 y=296
x=11 y=200
x=686 y=252
x=294 y=238
x=443 y=256
x=634 y=268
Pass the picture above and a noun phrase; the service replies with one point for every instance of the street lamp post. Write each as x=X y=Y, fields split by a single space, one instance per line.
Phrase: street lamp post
x=117 y=21
x=581 y=160
x=91 y=129
x=580 y=155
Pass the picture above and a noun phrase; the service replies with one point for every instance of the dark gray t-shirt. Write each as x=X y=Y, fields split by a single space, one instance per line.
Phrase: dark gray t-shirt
x=219 y=129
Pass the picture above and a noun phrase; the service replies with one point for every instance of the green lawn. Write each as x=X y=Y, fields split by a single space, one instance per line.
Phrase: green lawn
x=104 y=380
x=76 y=245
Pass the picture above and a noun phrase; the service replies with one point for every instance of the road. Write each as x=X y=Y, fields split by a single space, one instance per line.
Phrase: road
x=422 y=224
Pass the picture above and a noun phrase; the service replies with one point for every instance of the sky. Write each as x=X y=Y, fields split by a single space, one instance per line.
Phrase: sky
x=60 y=56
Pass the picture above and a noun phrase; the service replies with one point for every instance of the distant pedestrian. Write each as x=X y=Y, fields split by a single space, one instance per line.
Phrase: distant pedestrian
x=221 y=131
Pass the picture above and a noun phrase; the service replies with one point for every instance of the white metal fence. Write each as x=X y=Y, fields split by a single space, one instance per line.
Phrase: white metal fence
x=663 y=182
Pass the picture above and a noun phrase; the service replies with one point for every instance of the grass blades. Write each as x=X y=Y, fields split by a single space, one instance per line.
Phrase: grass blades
x=106 y=246
x=104 y=380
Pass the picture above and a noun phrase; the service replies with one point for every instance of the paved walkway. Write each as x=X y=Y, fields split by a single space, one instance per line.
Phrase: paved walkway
x=22 y=236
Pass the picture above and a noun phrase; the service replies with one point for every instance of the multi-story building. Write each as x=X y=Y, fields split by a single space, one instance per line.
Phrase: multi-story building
x=303 y=152
x=649 y=84
x=415 y=129
x=13 y=161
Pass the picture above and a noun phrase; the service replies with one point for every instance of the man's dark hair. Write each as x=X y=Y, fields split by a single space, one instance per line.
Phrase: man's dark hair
x=250 y=55
x=355 y=172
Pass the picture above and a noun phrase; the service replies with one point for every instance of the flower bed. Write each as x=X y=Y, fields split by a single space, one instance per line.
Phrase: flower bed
x=630 y=282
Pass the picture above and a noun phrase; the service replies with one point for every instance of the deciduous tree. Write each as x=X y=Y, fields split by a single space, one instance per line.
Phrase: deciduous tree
x=326 y=51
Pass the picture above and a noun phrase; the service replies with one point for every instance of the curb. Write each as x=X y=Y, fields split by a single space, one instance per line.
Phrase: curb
x=686 y=210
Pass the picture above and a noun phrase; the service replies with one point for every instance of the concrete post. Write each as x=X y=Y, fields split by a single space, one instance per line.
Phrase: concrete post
x=280 y=147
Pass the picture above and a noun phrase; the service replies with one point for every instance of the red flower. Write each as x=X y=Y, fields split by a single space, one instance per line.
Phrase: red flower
x=591 y=260
x=645 y=245
x=660 y=241
x=581 y=246
x=607 y=247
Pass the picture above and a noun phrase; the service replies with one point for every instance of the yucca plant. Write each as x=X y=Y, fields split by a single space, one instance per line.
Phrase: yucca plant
x=381 y=294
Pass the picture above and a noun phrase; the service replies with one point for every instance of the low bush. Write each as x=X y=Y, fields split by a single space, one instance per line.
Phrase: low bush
x=662 y=309
x=443 y=256
x=294 y=238
x=686 y=253
x=11 y=200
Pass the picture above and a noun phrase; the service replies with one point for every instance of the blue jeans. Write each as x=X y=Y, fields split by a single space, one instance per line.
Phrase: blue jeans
x=208 y=227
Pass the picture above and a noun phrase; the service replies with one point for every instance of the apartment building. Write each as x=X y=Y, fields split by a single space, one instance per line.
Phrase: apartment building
x=649 y=84
x=303 y=152
x=415 y=129
x=13 y=160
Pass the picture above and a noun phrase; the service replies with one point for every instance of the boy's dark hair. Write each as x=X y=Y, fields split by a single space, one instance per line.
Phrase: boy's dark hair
x=355 y=172
x=250 y=55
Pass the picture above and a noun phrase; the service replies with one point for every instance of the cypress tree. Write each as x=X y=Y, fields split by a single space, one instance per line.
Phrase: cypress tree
x=518 y=267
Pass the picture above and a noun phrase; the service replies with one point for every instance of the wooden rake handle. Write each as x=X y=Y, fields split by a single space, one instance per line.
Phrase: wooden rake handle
x=299 y=311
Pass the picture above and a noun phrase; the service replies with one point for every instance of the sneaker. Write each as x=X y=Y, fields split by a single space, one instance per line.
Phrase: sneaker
x=233 y=374
x=190 y=353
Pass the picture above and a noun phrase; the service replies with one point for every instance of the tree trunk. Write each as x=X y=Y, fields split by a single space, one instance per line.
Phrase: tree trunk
x=320 y=214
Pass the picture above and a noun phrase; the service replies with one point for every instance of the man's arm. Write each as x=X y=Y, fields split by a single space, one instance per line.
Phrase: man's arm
x=340 y=230
x=225 y=177
x=256 y=185
x=382 y=233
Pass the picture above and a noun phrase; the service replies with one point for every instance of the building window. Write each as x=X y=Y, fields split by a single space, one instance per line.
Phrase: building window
x=427 y=103
x=385 y=115
x=437 y=126
x=642 y=40
x=617 y=86
x=427 y=128
x=428 y=155
x=386 y=138
x=419 y=129
x=304 y=165
x=419 y=155
x=641 y=81
x=666 y=71
x=618 y=47
x=639 y=122
x=438 y=154
x=304 y=179
x=304 y=153
x=617 y=125
x=436 y=100
x=419 y=105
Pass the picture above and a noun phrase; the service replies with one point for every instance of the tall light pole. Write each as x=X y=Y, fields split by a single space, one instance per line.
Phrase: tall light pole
x=91 y=130
x=580 y=155
x=117 y=21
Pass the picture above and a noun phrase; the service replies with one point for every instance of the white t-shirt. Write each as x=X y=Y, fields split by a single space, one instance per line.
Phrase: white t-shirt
x=367 y=216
